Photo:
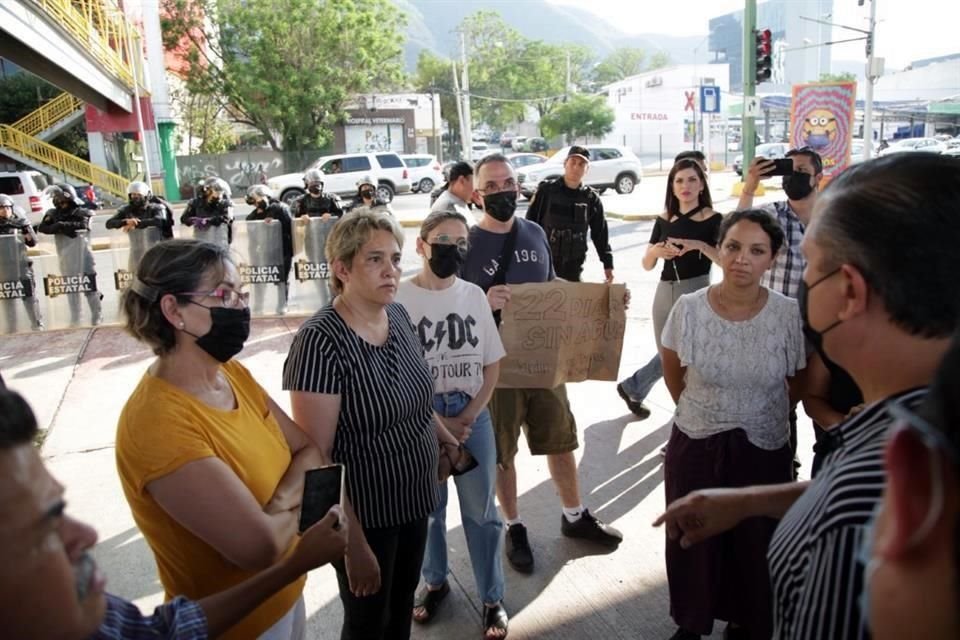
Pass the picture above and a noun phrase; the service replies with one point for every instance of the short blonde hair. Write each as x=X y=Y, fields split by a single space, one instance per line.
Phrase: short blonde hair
x=353 y=231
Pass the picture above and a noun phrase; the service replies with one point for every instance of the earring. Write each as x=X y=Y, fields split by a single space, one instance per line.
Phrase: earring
x=181 y=324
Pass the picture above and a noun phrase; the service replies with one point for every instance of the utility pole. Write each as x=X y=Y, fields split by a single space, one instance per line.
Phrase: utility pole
x=748 y=126
x=868 y=90
x=456 y=92
x=467 y=125
x=566 y=86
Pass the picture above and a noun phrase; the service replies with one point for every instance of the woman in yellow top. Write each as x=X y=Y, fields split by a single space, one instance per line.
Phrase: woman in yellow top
x=212 y=468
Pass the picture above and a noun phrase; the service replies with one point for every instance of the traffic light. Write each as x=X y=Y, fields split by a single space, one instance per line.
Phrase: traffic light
x=764 y=58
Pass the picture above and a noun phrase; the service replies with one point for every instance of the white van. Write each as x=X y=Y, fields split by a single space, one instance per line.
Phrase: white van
x=26 y=189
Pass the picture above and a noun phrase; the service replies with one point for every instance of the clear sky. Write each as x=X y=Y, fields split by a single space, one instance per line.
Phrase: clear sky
x=907 y=29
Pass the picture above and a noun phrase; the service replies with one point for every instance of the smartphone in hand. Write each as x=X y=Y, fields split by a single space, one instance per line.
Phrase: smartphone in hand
x=322 y=488
x=781 y=167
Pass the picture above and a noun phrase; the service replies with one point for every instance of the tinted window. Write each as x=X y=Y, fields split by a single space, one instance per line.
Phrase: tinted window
x=605 y=154
x=387 y=161
x=11 y=186
x=359 y=163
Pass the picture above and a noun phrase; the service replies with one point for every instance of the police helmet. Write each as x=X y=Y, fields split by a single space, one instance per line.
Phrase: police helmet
x=216 y=186
x=62 y=194
x=313 y=176
x=366 y=180
x=259 y=192
x=139 y=188
x=6 y=201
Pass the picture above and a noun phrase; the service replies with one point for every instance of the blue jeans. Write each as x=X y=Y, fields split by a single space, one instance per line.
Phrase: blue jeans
x=639 y=384
x=481 y=521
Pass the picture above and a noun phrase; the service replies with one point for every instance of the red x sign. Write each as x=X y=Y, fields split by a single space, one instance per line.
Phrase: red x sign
x=689 y=106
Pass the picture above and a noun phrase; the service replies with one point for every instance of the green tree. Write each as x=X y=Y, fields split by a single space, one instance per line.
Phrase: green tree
x=622 y=63
x=846 y=76
x=287 y=67
x=204 y=126
x=659 y=60
x=581 y=117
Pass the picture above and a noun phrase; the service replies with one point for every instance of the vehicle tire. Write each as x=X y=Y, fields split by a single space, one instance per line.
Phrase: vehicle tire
x=290 y=195
x=385 y=192
x=426 y=185
x=625 y=183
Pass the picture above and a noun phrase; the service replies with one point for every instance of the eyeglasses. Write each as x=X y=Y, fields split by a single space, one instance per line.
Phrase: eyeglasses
x=492 y=187
x=932 y=437
x=462 y=243
x=228 y=297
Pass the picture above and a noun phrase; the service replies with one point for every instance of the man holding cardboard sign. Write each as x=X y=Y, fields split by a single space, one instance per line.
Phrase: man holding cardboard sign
x=506 y=249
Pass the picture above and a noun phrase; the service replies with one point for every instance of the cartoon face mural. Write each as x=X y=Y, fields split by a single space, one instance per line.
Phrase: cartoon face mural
x=819 y=129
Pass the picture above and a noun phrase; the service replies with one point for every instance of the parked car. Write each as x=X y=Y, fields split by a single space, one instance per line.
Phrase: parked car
x=506 y=139
x=26 y=189
x=611 y=167
x=342 y=171
x=913 y=145
x=519 y=143
x=425 y=172
x=857 y=147
x=521 y=160
x=953 y=148
x=770 y=151
x=480 y=149
x=536 y=145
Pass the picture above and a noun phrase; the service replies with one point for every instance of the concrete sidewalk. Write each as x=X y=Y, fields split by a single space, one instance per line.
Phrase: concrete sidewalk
x=78 y=381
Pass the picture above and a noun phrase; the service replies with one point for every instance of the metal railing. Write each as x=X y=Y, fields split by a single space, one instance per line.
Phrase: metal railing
x=62 y=162
x=49 y=114
x=102 y=30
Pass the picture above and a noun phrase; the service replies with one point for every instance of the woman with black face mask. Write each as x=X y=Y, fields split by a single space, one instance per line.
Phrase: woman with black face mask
x=367 y=198
x=463 y=350
x=212 y=468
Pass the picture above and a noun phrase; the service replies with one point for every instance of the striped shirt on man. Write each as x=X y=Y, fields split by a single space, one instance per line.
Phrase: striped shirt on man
x=813 y=556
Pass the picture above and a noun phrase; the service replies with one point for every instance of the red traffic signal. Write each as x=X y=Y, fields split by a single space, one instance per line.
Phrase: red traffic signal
x=764 y=47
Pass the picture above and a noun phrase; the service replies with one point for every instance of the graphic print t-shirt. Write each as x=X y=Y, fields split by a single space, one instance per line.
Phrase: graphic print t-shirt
x=456 y=328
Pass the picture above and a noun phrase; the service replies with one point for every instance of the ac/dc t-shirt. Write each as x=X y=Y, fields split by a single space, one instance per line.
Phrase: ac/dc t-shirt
x=457 y=332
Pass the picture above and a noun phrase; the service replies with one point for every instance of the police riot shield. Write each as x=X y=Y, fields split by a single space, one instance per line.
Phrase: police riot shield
x=71 y=284
x=217 y=234
x=140 y=242
x=260 y=247
x=312 y=274
x=17 y=295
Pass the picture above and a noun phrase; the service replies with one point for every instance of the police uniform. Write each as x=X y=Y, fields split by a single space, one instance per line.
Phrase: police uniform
x=281 y=213
x=149 y=216
x=315 y=207
x=565 y=215
x=23 y=267
x=214 y=214
x=70 y=228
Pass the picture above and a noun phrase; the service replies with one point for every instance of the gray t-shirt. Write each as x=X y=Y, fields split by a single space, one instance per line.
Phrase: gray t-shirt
x=531 y=261
x=736 y=371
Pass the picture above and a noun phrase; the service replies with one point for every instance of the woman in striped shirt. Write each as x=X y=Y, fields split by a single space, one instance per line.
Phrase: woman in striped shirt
x=361 y=390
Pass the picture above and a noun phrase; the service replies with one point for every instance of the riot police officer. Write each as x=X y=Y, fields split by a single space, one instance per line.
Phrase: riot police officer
x=315 y=203
x=268 y=209
x=367 y=198
x=69 y=223
x=139 y=214
x=211 y=212
x=566 y=208
x=16 y=269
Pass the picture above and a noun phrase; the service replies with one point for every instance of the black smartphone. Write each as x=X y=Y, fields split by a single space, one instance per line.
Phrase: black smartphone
x=322 y=488
x=781 y=167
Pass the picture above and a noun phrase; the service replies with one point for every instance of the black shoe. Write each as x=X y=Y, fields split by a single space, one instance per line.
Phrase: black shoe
x=683 y=634
x=589 y=528
x=636 y=408
x=519 y=553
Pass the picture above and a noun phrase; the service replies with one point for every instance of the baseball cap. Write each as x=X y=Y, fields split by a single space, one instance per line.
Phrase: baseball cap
x=579 y=151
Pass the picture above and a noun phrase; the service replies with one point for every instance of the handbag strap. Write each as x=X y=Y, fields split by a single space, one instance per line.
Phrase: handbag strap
x=506 y=257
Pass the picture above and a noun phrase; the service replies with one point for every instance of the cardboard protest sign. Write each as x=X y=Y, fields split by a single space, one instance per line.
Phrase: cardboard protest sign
x=556 y=332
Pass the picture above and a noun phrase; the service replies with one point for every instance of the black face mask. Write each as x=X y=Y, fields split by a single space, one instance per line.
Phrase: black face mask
x=797 y=186
x=501 y=206
x=445 y=259
x=228 y=333
x=815 y=337
x=136 y=203
x=315 y=189
x=368 y=195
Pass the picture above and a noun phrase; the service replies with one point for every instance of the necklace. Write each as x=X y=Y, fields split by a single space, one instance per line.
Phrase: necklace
x=743 y=310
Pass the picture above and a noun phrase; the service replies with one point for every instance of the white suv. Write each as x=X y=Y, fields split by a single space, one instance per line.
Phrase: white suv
x=610 y=168
x=425 y=171
x=26 y=189
x=341 y=173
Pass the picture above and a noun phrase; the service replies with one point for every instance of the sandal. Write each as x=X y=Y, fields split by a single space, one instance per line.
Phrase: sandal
x=430 y=601
x=495 y=618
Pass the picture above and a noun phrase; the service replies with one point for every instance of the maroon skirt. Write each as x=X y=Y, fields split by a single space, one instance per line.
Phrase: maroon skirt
x=726 y=577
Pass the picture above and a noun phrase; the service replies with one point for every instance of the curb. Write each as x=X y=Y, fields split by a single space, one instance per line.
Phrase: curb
x=632 y=217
